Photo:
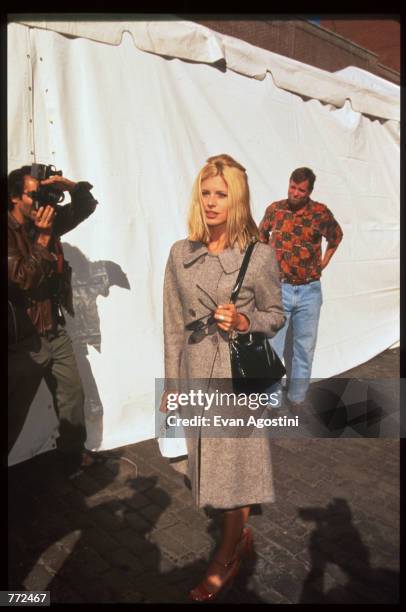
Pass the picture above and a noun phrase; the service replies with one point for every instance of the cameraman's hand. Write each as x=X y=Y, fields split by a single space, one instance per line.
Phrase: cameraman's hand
x=43 y=222
x=60 y=182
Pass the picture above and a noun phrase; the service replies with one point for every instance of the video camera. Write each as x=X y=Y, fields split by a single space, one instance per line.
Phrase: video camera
x=45 y=194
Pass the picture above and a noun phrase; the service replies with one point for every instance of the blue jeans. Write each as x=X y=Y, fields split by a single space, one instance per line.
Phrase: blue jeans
x=302 y=306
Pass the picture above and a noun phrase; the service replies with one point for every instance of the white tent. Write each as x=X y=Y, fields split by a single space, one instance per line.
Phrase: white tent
x=136 y=108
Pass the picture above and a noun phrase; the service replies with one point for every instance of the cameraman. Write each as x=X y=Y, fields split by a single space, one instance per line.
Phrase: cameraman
x=39 y=285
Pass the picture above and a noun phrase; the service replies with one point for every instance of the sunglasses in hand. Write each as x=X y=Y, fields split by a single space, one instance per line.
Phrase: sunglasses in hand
x=200 y=328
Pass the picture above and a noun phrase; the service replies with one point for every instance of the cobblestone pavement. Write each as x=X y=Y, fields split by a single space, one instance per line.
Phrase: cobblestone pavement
x=126 y=531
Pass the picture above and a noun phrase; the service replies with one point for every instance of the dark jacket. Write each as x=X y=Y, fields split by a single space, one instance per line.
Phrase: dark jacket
x=39 y=284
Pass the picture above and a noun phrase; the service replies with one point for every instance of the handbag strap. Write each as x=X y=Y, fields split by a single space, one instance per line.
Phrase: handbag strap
x=241 y=274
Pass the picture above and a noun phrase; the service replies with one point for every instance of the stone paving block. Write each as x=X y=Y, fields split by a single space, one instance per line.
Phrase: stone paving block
x=368 y=593
x=194 y=540
x=311 y=496
x=284 y=581
x=87 y=561
x=152 y=512
x=362 y=572
x=144 y=470
x=258 y=523
x=299 y=530
x=362 y=496
x=95 y=591
x=139 y=500
x=266 y=593
x=167 y=594
x=386 y=516
x=383 y=560
x=123 y=589
x=99 y=540
x=185 y=498
x=376 y=541
x=283 y=558
x=155 y=561
x=79 y=520
x=393 y=505
x=145 y=451
x=161 y=464
x=149 y=448
x=137 y=522
x=61 y=592
x=102 y=474
x=176 y=505
x=108 y=495
x=282 y=510
x=124 y=560
x=298 y=500
x=306 y=465
x=283 y=539
x=54 y=558
x=165 y=566
x=159 y=496
x=270 y=553
x=137 y=544
x=287 y=444
x=165 y=520
x=122 y=468
x=38 y=579
x=83 y=563
x=168 y=545
x=86 y=484
x=173 y=484
x=192 y=517
x=74 y=499
x=150 y=581
x=133 y=451
x=54 y=504
x=70 y=540
x=337 y=573
x=108 y=521
x=236 y=595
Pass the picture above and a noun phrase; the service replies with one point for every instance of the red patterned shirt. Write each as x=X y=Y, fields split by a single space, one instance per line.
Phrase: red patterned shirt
x=296 y=237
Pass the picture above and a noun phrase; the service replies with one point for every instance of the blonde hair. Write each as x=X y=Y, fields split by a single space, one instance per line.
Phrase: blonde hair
x=240 y=226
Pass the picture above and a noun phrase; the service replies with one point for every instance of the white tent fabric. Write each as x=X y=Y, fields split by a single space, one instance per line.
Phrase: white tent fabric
x=138 y=125
x=192 y=42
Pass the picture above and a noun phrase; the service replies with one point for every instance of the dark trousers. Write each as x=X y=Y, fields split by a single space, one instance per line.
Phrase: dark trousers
x=50 y=357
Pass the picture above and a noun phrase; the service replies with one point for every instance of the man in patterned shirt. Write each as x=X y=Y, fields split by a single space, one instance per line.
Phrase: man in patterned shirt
x=294 y=227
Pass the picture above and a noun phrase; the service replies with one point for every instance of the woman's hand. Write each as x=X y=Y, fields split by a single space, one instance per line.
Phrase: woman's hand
x=228 y=318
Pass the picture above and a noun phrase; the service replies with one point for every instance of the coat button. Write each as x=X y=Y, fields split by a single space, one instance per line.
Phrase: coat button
x=214 y=339
x=192 y=312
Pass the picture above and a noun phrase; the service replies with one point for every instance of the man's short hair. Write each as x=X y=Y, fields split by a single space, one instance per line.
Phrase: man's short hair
x=15 y=182
x=303 y=174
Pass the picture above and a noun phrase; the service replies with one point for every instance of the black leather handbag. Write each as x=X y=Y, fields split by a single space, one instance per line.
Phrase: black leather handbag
x=255 y=366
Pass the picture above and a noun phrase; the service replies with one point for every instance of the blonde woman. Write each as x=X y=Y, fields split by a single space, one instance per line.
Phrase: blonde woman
x=227 y=473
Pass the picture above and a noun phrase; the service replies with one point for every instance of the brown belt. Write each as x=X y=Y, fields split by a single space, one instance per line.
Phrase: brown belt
x=304 y=282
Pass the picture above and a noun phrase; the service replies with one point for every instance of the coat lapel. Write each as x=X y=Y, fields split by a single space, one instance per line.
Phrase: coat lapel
x=230 y=261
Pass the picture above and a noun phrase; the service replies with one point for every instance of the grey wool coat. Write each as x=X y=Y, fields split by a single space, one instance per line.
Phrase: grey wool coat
x=225 y=472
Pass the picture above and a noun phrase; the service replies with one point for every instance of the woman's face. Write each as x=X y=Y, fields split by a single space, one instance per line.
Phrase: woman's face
x=215 y=200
